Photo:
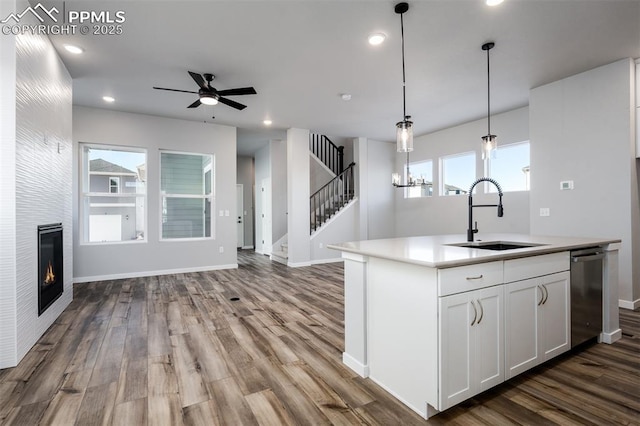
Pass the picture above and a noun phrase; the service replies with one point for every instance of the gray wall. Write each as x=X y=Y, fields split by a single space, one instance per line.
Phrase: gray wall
x=582 y=130
x=245 y=176
x=35 y=181
x=100 y=261
x=449 y=214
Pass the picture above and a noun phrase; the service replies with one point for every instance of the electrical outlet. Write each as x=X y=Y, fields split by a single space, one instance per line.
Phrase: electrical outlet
x=221 y=249
x=544 y=211
x=566 y=185
x=320 y=245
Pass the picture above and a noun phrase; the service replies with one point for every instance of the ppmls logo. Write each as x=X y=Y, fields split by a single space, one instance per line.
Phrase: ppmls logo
x=32 y=10
x=73 y=22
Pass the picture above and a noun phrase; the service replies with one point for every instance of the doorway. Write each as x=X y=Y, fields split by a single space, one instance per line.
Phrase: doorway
x=240 y=214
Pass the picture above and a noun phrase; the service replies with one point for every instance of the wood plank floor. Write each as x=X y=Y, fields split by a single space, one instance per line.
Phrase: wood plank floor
x=178 y=349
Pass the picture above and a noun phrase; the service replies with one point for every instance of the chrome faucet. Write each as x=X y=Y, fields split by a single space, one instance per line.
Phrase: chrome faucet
x=471 y=230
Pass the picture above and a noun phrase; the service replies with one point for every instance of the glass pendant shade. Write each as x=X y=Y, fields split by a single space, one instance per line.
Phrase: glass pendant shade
x=489 y=147
x=404 y=135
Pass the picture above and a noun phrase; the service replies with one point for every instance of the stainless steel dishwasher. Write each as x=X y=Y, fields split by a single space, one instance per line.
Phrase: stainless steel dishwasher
x=586 y=294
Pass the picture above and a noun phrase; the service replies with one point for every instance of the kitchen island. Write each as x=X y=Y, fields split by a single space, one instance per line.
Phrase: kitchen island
x=434 y=322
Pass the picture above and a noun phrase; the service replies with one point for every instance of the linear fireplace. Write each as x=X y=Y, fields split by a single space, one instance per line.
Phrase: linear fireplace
x=50 y=265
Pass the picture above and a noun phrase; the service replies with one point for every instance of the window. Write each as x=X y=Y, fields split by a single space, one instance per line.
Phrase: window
x=458 y=173
x=510 y=168
x=114 y=185
x=113 y=192
x=423 y=172
x=186 y=185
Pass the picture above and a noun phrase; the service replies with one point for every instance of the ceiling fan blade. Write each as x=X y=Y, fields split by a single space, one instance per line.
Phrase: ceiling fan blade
x=232 y=104
x=199 y=80
x=196 y=104
x=238 y=91
x=176 y=90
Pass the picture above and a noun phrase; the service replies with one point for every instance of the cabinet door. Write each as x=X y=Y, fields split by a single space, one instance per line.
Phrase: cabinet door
x=456 y=316
x=521 y=326
x=488 y=334
x=555 y=315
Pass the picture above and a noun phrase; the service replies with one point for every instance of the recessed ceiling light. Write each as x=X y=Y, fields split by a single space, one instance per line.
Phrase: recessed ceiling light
x=267 y=122
x=493 y=2
x=108 y=99
x=376 y=38
x=73 y=49
x=346 y=97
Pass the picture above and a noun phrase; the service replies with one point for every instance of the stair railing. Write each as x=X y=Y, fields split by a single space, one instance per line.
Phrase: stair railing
x=329 y=153
x=332 y=197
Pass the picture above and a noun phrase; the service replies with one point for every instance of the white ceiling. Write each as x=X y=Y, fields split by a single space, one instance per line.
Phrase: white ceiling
x=301 y=55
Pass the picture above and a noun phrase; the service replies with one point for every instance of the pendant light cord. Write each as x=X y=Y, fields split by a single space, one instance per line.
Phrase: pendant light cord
x=488 y=96
x=404 y=100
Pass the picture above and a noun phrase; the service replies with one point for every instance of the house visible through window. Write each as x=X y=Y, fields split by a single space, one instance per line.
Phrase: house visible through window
x=186 y=185
x=423 y=172
x=458 y=172
x=510 y=168
x=113 y=192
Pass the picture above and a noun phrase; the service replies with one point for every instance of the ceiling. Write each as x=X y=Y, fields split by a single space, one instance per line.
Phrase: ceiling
x=302 y=55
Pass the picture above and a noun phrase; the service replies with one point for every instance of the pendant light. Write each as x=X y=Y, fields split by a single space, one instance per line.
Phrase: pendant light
x=404 y=128
x=489 y=143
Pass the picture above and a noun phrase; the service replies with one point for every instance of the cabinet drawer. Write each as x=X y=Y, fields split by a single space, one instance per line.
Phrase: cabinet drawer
x=467 y=278
x=535 y=266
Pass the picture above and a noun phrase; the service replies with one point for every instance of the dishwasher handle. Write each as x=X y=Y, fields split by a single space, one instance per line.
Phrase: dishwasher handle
x=587 y=258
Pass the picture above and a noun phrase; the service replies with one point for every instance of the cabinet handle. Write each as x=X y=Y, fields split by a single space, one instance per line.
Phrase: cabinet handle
x=546 y=294
x=541 y=295
x=479 y=277
x=475 y=313
x=481 y=311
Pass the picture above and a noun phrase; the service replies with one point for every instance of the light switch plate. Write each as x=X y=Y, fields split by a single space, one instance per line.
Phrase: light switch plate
x=544 y=211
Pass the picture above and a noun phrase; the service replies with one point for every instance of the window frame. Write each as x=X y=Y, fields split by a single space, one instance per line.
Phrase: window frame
x=487 y=169
x=84 y=193
x=442 y=183
x=408 y=190
x=162 y=196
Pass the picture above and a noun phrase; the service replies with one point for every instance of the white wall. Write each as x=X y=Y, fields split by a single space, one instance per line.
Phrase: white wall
x=245 y=176
x=449 y=214
x=339 y=229
x=100 y=261
x=380 y=157
x=298 y=219
x=278 y=189
x=581 y=130
x=36 y=182
x=263 y=171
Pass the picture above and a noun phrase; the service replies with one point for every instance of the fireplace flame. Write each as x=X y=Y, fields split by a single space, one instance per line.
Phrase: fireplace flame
x=49 y=276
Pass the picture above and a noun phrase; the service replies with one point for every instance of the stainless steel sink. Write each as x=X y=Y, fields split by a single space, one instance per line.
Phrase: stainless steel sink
x=496 y=245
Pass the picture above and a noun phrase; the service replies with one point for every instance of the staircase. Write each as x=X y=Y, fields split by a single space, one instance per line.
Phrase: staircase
x=329 y=153
x=332 y=197
x=282 y=255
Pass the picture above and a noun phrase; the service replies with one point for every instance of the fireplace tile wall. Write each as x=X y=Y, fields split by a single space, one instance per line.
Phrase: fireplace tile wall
x=36 y=136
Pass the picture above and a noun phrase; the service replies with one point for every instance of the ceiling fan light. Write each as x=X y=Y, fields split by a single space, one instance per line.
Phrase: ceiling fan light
x=208 y=99
x=404 y=135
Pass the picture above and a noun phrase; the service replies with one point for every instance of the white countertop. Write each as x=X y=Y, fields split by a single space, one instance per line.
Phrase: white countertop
x=434 y=251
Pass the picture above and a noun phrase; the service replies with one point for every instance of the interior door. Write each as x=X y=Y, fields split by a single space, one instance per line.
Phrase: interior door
x=240 y=214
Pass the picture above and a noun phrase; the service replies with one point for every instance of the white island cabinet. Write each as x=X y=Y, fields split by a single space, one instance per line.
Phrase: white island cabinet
x=435 y=323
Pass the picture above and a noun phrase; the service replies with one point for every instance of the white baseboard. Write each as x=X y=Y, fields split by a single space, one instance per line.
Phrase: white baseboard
x=152 y=273
x=355 y=365
x=298 y=264
x=321 y=261
x=627 y=304
x=610 y=337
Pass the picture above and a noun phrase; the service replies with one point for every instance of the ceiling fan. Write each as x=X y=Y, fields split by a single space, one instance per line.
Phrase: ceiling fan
x=208 y=95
